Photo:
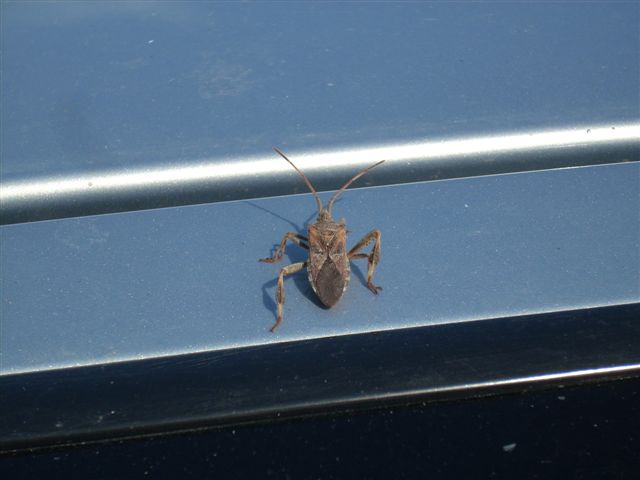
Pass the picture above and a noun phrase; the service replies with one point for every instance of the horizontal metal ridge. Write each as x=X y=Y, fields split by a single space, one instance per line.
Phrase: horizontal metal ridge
x=222 y=179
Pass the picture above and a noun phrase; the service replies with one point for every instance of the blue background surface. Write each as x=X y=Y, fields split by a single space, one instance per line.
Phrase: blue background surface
x=93 y=85
x=177 y=280
x=145 y=87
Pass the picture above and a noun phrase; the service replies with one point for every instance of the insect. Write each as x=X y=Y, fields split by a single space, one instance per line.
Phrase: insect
x=328 y=264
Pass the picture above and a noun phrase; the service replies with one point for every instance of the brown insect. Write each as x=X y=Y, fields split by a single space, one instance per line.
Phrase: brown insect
x=328 y=264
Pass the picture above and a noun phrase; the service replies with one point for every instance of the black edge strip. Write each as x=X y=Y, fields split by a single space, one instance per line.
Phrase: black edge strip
x=235 y=386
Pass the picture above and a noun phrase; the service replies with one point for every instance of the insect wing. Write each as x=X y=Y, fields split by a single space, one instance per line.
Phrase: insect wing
x=328 y=266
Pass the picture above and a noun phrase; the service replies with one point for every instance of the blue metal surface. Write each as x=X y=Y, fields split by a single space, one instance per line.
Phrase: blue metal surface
x=115 y=190
x=101 y=85
x=185 y=279
x=120 y=106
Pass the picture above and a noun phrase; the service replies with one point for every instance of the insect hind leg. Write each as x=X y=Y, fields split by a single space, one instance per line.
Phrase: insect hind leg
x=373 y=257
x=288 y=270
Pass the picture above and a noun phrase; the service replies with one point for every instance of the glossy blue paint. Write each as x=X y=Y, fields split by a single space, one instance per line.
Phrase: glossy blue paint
x=102 y=85
x=116 y=190
x=184 y=279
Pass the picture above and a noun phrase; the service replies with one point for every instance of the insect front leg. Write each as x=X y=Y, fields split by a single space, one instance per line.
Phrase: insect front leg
x=288 y=270
x=295 y=238
x=373 y=257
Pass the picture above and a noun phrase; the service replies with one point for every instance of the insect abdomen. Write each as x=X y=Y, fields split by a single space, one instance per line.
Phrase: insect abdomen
x=330 y=284
x=328 y=267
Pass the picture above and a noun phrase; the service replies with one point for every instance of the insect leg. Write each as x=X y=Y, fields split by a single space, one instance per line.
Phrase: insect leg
x=288 y=270
x=294 y=237
x=373 y=257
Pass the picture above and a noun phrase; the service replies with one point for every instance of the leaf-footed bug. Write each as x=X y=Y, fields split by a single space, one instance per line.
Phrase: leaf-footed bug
x=328 y=264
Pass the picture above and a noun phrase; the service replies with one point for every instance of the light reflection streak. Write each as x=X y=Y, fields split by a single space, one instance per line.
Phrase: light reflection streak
x=214 y=172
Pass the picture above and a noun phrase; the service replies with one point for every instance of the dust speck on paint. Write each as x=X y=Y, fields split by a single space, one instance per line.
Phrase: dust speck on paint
x=510 y=447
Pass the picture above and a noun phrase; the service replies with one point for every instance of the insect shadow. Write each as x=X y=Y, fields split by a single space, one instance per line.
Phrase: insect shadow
x=294 y=255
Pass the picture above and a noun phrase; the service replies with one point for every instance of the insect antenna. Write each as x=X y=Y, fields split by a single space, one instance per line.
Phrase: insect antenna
x=304 y=177
x=346 y=185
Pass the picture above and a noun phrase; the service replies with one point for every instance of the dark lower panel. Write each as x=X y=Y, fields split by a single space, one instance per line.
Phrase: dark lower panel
x=232 y=387
x=588 y=431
